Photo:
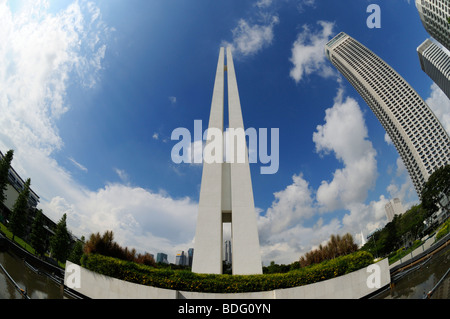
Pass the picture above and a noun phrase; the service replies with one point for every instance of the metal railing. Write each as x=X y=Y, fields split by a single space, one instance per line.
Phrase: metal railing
x=23 y=292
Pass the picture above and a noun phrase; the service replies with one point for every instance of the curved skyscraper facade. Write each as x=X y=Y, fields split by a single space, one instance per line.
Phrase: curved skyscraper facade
x=434 y=15
x=420 y=139
x=435 y=62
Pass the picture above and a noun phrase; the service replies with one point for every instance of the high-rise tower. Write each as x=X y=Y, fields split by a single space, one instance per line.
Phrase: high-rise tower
x=226 y=194
x=434 y=15
x=435 y=62
x=418 y=136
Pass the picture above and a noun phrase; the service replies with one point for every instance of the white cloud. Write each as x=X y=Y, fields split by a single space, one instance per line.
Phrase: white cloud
x=248 y=39
x=387 y=139
x=122 y=175
x=263 y=3
x=41 y=55
x=139 y=218
x=440 y=105
x=173 y=99
x=78 y=165
x=305 y=3
x=345 y=134
x=291 y=206
x=39 y=52
x=308 y=52
x=402 y=187
x=294 y=223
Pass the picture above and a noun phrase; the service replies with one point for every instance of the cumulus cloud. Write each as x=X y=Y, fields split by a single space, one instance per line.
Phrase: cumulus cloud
x=440 y=105
x=401 y=186
x=291 y=206
x=308 y=52
x=42 y=53
x=39 y=52
x=249 y=38
x=140 y=218
x=295 y=223
x=345 y=134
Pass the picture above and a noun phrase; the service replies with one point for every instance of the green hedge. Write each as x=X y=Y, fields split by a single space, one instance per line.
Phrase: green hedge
x=444 y=230
x=188 y=281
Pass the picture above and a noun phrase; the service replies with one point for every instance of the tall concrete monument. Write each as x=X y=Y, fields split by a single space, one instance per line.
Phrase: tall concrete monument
x=226 y=194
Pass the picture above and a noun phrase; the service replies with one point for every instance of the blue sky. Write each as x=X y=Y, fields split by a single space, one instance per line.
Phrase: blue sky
x=91 y=92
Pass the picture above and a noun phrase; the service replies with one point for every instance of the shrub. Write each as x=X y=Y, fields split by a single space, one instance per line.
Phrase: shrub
x=336 y=246
x=106 y=246
x=445 y=228
x=188 y=281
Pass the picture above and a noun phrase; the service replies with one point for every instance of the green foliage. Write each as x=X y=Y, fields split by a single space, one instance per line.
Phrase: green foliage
x=393 y=235
x=60 y=242
x=336 y=246
x=5 y=164
x=437 y=185
x=400 y=253
x=444 y=230
x=18 y=216
x=188 y=281
x=37 y=237
x=77 y=252
x=105 y=245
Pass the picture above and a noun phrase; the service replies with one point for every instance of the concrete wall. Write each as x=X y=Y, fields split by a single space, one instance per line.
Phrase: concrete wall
x=96 y=286
x=350 y=286
x=426 y=245
x=11 y=196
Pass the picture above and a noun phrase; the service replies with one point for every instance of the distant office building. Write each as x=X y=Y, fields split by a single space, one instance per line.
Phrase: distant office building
x=421 y=141
x=13 y=189
x=190 y=256
x=161 y=258
x=434 y=15
x=435 y=62
x=394 y=207
x=228 y=252
x=181 y=258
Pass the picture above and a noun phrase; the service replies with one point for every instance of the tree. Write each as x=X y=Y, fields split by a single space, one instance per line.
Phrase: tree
x=60 y=242
x=336 y=246
x=5 y=164
x=18 y=216
x=37 y=236
x=412 y=221
x=77 y=252
x=437 y=186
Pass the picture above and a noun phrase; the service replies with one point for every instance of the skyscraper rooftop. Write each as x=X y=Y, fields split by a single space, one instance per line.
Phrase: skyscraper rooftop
x=435 y=62
x=434 y=15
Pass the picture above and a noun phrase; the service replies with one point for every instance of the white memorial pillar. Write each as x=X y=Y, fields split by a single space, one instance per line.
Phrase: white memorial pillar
x=226 y=193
